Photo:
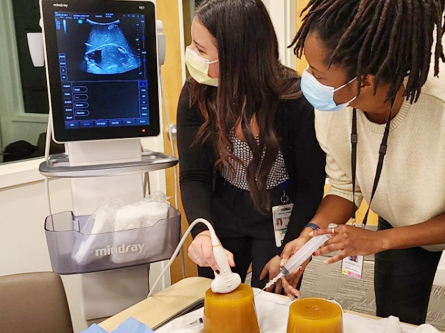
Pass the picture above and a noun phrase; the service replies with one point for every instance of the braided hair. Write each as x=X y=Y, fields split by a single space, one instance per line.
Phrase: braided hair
x=391 y=39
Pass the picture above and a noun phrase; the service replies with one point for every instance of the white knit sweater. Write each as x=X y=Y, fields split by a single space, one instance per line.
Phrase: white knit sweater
x=412 y=184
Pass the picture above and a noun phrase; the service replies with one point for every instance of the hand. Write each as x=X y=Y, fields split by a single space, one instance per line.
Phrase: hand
x=350 y=241
x=290 y=282
x=272 y=269
x=200 y=251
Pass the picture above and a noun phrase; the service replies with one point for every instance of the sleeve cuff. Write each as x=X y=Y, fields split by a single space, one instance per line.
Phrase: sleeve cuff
x=311 y=225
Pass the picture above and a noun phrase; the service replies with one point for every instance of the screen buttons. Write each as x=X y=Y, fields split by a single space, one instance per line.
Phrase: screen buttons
x=129 y=122
x=80 y=89
x=115 y=122
x=101 y=123
x=71 y=124
x=86 y=123
x=143 y=122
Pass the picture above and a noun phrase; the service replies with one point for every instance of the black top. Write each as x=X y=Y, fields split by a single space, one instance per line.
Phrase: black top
x=304 y=159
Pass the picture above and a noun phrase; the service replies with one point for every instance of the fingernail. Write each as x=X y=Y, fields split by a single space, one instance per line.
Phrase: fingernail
x=217 y=272
x=311 y=233
x=326 y=262
x=314 y=253
x=282 y=262
x=296 y=296
x=300 y=269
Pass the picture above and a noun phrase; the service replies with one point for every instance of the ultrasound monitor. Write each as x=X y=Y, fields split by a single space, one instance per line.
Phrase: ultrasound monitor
x=102 y=68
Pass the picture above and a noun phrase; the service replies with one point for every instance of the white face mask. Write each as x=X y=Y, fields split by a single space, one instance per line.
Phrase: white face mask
x=199 y=68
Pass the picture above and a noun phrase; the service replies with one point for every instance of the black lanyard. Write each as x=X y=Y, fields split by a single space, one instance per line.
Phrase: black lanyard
x=382 y=152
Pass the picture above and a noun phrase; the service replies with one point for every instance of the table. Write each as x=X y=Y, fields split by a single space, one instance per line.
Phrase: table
x=170 y=302
x=160 y=307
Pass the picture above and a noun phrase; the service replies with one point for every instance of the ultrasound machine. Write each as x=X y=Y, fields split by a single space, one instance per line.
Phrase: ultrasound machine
x=102 y=68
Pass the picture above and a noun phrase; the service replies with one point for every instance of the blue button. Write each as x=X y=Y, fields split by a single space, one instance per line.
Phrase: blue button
x=144 y=108
x=67 y=94
x=63 y=70
x=69 y=117
x=62 y=63
x=64 y=77
x=71 y=124
x=80 y=89
x=143 y=121
x=82 y=113
x=144 y=114
x=115 y=122
x=101 y=123
x=129 y=122
x=81 y=105
x=66 y=86
x=68 y=109
x=68 y=102
x=143 y=102
x=80 y=97
x=143 y=90
x=86 y=123
x=143 y=83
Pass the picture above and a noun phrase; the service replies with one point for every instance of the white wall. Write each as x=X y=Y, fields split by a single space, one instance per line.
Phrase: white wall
x=284 y=19
x=22 y=240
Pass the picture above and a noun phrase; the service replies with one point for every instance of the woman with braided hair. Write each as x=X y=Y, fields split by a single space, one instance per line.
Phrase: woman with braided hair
x=380 y=118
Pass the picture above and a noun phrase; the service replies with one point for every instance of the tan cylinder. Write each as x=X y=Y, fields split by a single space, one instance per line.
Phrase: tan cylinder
x=233 y=312
x=315 y=315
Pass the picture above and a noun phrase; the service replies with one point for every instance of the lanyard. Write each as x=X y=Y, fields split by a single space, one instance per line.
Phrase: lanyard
x=284 y=198
x=382 y=152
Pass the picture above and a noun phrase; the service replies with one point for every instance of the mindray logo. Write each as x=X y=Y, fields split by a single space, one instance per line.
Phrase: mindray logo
x=63 y=5
x=109 y=250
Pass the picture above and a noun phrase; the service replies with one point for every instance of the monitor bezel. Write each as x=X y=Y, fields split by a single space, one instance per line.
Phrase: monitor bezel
x=62 y=134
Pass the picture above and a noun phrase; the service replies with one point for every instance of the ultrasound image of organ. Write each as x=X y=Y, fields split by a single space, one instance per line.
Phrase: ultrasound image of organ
x=108 y=51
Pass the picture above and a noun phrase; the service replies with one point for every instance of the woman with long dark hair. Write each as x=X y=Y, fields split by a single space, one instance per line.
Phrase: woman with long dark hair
x=246 y=140
x=380 y=118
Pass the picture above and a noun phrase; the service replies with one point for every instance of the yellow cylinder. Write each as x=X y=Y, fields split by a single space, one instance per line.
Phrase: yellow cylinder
x=314 y=315
x=233 y=312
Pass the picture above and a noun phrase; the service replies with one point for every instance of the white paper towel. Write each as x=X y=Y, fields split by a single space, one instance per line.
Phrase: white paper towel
x=140 y=215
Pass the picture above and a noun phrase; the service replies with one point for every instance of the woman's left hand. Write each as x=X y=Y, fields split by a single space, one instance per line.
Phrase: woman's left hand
x=350 y=241
x=272 y=269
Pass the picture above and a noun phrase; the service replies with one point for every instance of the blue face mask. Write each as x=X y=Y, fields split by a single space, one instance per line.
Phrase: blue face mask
x=320 y=96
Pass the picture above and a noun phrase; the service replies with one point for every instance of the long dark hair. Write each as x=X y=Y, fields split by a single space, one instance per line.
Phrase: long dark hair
x=252 y=82
x=391 y=39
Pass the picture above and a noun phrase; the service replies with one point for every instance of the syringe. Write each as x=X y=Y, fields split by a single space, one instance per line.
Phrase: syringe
x=299 y=257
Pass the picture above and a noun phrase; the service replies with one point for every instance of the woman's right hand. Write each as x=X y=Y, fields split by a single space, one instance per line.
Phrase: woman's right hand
x=290 y=282
x=200 y=251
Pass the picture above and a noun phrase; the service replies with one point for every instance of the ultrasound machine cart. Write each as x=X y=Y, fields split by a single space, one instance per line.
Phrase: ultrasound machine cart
x=103 y=80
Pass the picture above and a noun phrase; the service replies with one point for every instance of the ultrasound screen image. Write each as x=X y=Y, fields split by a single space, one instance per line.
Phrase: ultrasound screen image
x=108 y=51
x=102 y=62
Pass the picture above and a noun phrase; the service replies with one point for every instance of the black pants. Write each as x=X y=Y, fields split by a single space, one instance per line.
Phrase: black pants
x=243 y=231
x=403 y=280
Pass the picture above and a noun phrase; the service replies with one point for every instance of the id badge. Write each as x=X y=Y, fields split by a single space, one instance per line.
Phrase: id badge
x=280 y=217
x=353 y=266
